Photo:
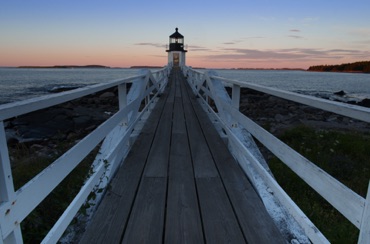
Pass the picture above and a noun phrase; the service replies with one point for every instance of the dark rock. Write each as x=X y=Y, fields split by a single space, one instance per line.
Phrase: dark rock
x=82 y=121
x=62 y=89
x=340 y=93
x=279 y=118
x=364 y=103
x=36 y=147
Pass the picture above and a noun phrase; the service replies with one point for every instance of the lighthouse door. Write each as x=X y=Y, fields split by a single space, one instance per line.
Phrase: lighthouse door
x=176 y=59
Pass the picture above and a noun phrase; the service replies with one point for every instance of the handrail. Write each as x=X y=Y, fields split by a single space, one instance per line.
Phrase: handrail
x=16 y=205
x=354 y=207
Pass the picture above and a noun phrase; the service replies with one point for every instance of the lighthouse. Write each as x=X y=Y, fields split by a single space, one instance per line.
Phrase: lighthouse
x=176 y=51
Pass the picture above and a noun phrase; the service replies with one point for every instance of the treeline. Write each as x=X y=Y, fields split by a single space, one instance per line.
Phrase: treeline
x=361 y=67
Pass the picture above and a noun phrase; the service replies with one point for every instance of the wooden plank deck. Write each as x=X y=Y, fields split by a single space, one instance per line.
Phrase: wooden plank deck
x=180 y=184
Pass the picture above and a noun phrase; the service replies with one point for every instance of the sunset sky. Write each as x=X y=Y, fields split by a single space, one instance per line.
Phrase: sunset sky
x=218 y=33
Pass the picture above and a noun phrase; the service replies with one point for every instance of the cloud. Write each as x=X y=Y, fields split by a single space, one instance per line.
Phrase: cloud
x=151 y=44
x=294 y=30
x=255 y=37
x=295 y=37
x=233 y=42
x=362 y=32
x=296 y=54
x=310 y=20
x=195 y=48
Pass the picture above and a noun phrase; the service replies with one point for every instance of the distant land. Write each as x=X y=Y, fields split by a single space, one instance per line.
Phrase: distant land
x=251 y=68
x=357 y=67
x=145 y=67
x=67 y=67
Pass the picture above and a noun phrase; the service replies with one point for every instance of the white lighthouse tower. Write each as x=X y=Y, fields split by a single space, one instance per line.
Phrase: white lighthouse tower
x=176 y=51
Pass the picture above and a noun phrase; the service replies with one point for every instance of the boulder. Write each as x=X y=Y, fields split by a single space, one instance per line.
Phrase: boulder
x=365 y=103
x=340 y=93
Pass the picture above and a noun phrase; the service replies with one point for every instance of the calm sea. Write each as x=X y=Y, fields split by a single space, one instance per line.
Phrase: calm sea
x=320 y=84
x=18 y=84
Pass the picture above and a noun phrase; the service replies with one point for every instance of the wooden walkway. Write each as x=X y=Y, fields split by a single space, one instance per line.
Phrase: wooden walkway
x=180 y=184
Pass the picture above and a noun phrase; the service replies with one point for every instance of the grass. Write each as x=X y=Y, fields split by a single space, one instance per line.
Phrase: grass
x=38 y=223
x=345 y=156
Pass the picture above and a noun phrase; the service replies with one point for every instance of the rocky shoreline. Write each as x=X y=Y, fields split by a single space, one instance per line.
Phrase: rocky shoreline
x=277 y=114
x=41 y=131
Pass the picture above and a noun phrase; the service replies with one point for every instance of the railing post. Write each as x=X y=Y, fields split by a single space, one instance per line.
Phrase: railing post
x=236 y=96
x=365 y=223
x=7 y=189
x=122 y=98
x=6 y=178
x=235 y=100
x=207 y=97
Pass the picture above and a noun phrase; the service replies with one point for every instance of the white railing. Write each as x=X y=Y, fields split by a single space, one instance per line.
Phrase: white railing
x=354 y=207
x=115 y=133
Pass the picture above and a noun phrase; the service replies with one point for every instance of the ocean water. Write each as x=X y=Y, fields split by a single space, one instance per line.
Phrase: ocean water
x=320 y=84
x=19 y=84
x=22 y=83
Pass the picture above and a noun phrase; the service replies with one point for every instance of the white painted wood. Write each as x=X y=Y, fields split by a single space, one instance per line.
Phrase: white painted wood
x=6 y=178
x=7 y=194
x=364 y=237
x=58 y=229
x=341 y=197
x=122 y=95
x=349 y=203
x=353 y=111
x=13 y=238
x=10 y=110
x=122 y=99
x=247 y=160
x=30 y=195
x=117 y=143
x=236 y=96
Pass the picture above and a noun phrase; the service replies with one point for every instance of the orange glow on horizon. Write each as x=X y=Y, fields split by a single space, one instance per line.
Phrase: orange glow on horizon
x=134 y=56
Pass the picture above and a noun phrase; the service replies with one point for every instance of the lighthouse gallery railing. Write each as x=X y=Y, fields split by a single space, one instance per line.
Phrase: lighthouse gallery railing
x=114 y=132
x=354 y=207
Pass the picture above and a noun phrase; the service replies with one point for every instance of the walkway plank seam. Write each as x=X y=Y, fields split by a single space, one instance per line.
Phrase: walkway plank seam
x=241 y=193
x=180 y=184
x=110 y=219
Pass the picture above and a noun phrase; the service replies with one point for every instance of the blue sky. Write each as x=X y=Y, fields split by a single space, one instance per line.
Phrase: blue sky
x=229 y=34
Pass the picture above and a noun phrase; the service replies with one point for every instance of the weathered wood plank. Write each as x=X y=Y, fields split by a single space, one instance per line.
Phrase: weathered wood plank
x=178 y=124
x=254 y=219
x=146 y=223
x=202 y=158
x=158 y=158
x=157 y=165
x=147 y=217
x=183 y=222
x=111 y=216
x=172 y=88
x=219 y=221
x=189 y=191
